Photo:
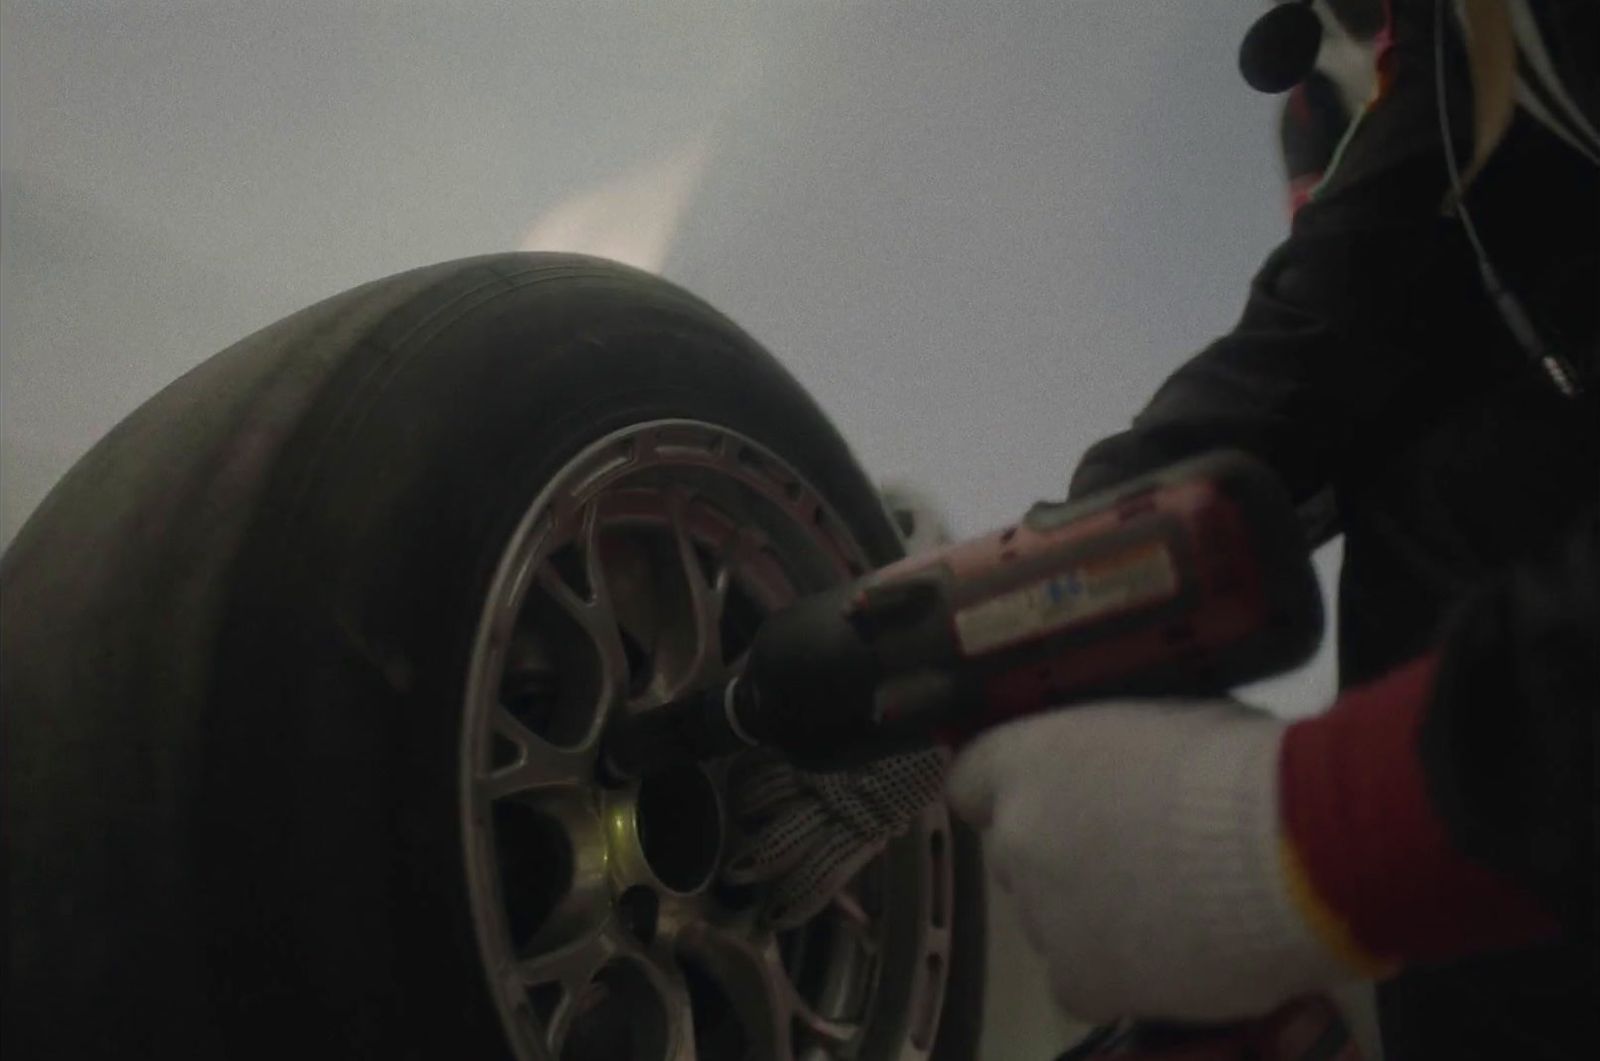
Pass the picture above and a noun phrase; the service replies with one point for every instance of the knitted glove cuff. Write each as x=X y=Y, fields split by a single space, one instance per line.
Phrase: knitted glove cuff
x=1228 y=839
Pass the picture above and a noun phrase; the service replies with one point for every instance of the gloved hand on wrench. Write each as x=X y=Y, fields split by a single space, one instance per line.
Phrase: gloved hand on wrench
x=1138 y=840
x=1170 y=858
x=808 y=834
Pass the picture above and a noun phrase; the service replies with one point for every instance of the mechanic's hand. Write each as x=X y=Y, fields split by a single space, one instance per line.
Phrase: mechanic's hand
x=808 y=834
x=1141 y=842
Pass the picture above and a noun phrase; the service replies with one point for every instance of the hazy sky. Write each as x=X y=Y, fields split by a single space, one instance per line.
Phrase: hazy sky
x=979 y=231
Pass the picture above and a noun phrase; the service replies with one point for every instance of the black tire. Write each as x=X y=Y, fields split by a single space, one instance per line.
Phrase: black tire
x=232 y=644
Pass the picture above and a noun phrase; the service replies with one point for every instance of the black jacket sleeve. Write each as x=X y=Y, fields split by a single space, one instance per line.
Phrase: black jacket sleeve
x=1329 y=339
x=1508 y=744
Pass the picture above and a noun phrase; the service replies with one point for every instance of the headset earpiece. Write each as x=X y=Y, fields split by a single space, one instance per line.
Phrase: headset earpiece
x=1281 y=48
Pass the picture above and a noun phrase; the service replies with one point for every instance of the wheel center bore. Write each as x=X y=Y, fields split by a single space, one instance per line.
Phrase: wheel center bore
x=678 y=820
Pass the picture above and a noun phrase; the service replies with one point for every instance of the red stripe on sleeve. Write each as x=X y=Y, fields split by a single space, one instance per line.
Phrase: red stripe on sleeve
x=1300 y=189
x=1355 y=808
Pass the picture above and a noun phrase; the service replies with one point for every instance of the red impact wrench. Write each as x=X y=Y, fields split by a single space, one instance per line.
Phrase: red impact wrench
x=1187 y=581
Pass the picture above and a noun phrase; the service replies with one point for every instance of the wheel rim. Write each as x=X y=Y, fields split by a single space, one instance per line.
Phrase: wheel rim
x=639 y=572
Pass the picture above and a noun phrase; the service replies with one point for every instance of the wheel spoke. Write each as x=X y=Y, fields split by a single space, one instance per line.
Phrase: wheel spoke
x=599 y=621
x=831 y=1033
x=798 y=1010
x=760 y=987
x=753 y=980
x=668 y=979
x=570 y=967
x=539 y=764
x=847 y=909
x=594 y=569
x=581 y=611
x=706 y=598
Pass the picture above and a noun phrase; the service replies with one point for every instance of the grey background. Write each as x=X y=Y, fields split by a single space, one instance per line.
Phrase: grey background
x=979 y=232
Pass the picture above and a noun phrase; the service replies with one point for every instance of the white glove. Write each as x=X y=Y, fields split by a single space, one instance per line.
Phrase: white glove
x=808 y=834
x=1141 y=842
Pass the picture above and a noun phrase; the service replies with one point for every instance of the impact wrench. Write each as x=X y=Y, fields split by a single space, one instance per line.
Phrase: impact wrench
x=1187 y=581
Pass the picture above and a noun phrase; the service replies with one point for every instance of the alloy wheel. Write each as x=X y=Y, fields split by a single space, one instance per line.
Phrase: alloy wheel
x=639 y=573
